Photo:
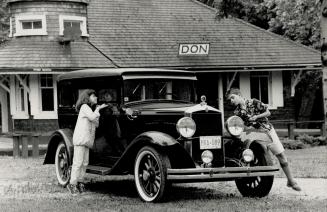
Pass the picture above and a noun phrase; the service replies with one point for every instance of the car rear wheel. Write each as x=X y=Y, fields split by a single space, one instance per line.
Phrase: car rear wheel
x=62 y=164
x=150 y=173
x=256 y=186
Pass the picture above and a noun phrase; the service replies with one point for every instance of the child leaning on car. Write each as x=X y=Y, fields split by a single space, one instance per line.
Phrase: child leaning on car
x=254 y=113
x=83 y=138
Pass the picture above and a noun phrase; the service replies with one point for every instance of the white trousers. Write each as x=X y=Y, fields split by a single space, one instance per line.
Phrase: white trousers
x=80 y=162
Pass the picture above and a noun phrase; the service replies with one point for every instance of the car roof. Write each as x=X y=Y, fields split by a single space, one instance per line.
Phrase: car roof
x=128 y=73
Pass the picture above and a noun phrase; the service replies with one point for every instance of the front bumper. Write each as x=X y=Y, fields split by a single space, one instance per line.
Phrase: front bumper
x=219 y=174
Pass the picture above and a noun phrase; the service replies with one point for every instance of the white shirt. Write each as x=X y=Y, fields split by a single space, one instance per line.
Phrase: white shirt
x=84 y=132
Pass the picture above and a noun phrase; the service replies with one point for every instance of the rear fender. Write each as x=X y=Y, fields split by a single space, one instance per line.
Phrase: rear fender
x=65 y=135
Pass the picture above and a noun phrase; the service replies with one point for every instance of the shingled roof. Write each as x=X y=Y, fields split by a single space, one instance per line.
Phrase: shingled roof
x=137 y=33
x=34 y=53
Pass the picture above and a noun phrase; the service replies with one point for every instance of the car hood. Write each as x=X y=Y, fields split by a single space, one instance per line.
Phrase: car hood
x=156 y=108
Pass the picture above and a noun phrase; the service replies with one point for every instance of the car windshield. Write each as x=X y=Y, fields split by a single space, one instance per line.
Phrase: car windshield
x=158 y=89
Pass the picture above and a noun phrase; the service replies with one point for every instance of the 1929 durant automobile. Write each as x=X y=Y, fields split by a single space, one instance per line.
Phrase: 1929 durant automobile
x=157 y=133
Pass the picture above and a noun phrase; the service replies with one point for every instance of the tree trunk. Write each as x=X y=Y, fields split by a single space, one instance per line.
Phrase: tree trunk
x=323 y=26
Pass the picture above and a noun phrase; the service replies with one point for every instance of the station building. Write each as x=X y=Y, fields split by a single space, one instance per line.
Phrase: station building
x=50 y=37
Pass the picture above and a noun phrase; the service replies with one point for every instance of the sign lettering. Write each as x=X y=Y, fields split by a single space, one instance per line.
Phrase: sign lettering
x=193 y=49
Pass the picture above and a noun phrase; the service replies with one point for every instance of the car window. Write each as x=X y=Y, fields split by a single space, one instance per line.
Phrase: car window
x=158 y=89
x=107 y=95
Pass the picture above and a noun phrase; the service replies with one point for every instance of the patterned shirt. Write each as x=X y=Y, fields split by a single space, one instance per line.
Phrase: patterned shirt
x=253 y=107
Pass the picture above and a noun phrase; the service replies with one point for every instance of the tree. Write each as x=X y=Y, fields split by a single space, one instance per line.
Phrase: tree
x=297 y=20
x=4 y=21
x=323 y=25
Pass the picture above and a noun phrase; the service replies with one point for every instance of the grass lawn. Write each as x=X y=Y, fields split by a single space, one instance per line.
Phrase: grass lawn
x=27 y=185
x=310 y=162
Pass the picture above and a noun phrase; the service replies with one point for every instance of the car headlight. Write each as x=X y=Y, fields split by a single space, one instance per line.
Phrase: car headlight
x=248 y=155
x=207 y=156
x=186 y=127
x=235 y=125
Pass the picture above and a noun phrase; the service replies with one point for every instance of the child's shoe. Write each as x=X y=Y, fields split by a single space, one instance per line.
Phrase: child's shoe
x=72 y=189
x=81 y=187
x=294 y=186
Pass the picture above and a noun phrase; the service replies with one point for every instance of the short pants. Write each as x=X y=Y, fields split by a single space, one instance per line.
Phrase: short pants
x=276 y=147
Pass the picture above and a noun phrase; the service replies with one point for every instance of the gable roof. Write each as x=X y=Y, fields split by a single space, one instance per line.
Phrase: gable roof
x=147 y=33
x=34 y=53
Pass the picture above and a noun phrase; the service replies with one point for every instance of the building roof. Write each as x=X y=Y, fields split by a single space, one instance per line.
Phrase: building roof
x=129 y=73
x=138 y=33
x=134 y=33
x=32 y=54
x=77 y=1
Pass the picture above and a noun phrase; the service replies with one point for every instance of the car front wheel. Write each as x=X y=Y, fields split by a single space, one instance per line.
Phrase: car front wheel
x=150 y=173
x=62 y=164
x=256 y=186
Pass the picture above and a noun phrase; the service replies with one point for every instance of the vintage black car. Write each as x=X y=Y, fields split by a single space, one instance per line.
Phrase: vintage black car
x=157 y=132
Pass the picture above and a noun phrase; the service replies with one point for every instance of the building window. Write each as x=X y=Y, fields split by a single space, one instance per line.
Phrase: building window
x=74 y=22
x=47 y=92
x=260 y=82
x=30 y=25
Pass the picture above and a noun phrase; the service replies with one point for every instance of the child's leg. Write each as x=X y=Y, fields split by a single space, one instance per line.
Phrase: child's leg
x=84 y=164
x=277 y=149
x=284 y=164
x=77 y=164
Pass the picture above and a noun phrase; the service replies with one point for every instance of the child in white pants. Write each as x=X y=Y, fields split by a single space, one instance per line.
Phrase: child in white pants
x=83 y=138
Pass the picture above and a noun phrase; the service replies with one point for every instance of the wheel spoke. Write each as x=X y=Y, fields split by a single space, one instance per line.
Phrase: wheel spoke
x=157 y=184
x=147 y=185
x=147 y=166
x=149 y=160
x=155 y=187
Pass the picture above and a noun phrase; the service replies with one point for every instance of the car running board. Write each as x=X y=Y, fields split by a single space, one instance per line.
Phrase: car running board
x=100 y=170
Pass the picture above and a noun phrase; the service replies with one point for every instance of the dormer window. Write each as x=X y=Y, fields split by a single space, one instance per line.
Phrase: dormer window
x=30 y=25
x=75 y=22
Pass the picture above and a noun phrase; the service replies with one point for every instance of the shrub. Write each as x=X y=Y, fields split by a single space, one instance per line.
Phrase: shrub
x=312 y=141
x=293 y=144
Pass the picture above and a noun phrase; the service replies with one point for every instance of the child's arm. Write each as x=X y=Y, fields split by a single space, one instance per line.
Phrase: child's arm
x=263 y=107
x=88 y=113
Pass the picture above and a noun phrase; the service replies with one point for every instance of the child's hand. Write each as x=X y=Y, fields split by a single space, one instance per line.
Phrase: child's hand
x=102 y=106
x=253 y=118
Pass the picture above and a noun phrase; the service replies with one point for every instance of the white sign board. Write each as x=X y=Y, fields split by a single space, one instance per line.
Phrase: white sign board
x=193 y=49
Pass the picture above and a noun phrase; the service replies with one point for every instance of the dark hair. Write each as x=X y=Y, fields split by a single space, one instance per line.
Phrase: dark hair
x=235 y=91
x=84 y=98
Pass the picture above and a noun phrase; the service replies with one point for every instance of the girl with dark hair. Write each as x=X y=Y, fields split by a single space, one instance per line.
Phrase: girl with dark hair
x=83 y=137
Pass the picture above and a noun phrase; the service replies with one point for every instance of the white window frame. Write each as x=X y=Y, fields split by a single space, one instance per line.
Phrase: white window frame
x=40 y=114
x=28 y=17
x=63 y=18
x=268 y=76
x=19 y=113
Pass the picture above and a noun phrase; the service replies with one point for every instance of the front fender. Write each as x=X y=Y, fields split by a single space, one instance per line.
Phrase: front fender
x=260 y=145
x=65 y=135
x=159 y=140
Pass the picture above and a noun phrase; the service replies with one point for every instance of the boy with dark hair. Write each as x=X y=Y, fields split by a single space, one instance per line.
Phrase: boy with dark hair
x=254 y=113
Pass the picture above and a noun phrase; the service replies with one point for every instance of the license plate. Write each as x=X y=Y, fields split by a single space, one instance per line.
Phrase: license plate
x=210 y=142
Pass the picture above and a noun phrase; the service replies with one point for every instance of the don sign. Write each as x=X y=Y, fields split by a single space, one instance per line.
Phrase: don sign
x=193 y=49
